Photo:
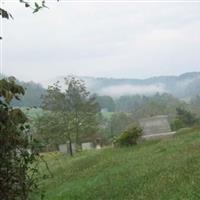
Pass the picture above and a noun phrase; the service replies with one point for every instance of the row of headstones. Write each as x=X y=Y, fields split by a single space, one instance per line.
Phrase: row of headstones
x=64 y=148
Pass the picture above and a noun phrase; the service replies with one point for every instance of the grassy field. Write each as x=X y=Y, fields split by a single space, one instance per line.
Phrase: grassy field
x=107 y=115
x=32 y=113
x=167 y=169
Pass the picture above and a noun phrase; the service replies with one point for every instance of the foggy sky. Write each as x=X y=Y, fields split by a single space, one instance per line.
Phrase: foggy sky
x=114 y=39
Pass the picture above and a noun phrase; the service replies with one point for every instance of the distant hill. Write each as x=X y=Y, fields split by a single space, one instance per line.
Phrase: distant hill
x=32 y=97
x=184 y=86
x=33 y=93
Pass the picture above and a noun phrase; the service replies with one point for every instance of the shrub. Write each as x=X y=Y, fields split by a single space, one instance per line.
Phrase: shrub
x=177 y=124
x=188 y=118
x=129 y=137
x=17 y=171
x=184 y=119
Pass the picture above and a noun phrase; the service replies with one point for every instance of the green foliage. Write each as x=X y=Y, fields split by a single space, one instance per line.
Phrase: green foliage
x=129 y=137
x=17 y=170
x=154 y=170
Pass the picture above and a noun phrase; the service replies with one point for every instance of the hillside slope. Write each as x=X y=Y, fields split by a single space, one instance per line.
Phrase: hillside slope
x=163 y=170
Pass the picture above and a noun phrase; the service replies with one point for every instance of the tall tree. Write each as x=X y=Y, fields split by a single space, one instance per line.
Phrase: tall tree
x=57 y=123
x=82 y=106
x=78 y=110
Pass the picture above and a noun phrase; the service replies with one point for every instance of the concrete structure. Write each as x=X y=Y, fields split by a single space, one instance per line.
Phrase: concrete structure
x=156 y=126
x=87 y=146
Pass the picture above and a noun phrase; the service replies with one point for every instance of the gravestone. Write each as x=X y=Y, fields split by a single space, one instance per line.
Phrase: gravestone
x=155 y=126
x=64 y=148
x=87 y=146
x=73 y=147
x=98 y=146
x=98 y=143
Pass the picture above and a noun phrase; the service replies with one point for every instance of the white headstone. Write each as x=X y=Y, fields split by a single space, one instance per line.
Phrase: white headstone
x=87 y=146
x=63 y=148
x=98 y=146
x=73 y=147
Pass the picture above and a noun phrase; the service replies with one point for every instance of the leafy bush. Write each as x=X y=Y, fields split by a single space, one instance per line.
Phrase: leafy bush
x=129 y=137
x=17 y=155
x=177 y=124
x=184 y=119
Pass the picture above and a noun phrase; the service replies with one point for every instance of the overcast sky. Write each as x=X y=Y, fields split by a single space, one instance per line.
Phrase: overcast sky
x=122 y=40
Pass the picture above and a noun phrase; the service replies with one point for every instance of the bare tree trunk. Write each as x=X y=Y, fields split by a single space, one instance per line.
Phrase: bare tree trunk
x=77 y=132
x=69 y=145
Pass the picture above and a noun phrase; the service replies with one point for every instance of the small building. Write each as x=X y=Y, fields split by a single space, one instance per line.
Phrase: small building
x=156 y=126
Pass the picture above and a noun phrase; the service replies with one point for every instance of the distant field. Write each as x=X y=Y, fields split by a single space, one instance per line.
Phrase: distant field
x=168 y=169
x=107 y=115
x=32 y=113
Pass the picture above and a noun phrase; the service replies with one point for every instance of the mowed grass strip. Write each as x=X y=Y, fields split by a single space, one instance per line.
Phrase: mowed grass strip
x=162 y=169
